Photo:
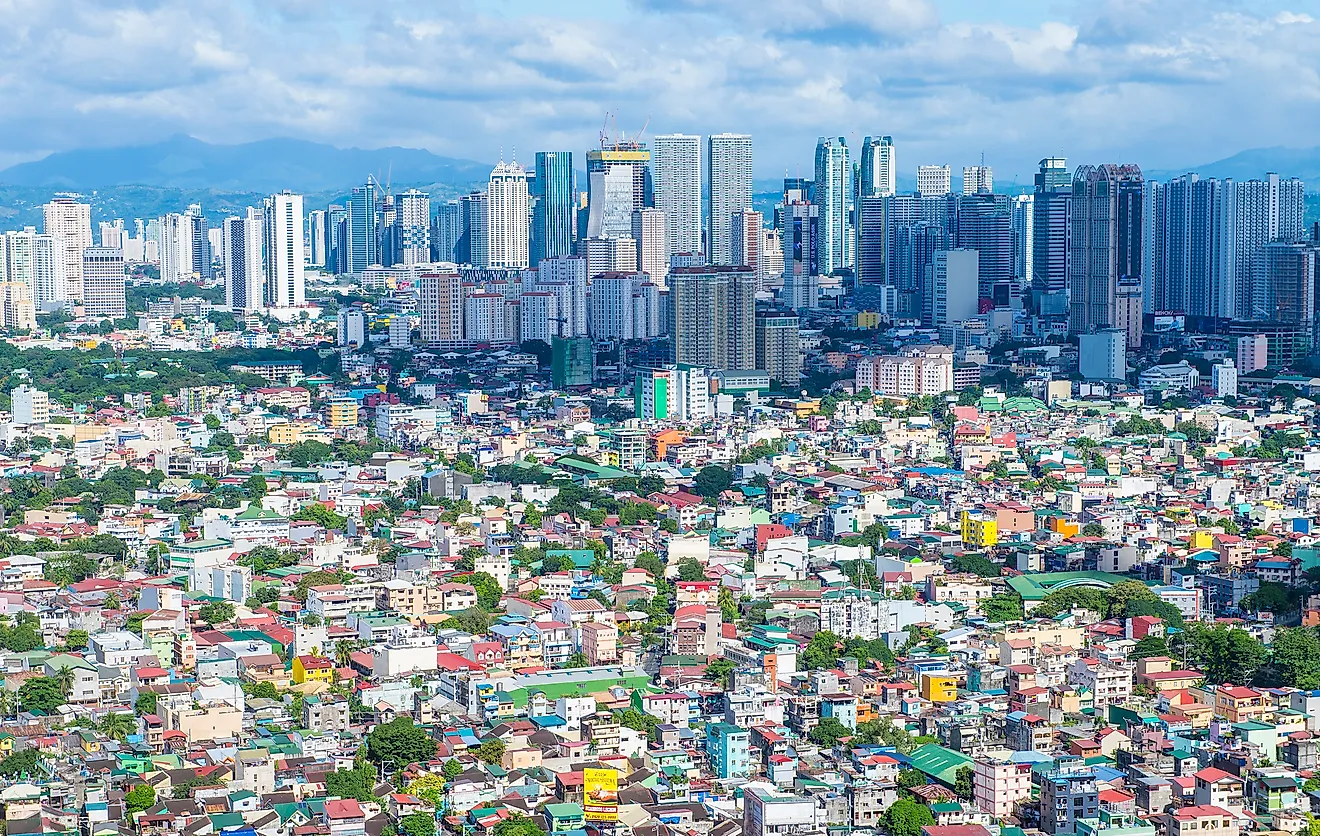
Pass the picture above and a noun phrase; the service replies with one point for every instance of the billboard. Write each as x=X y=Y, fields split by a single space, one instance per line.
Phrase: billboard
x=600 y=795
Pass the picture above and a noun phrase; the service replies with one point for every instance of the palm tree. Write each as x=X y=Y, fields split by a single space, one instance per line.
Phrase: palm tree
x=7 y=702
x=118 y=726
x=65 y=678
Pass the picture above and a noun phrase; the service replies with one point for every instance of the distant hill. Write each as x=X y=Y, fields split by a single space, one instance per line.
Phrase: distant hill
x=183 y=162
x=1255 y=163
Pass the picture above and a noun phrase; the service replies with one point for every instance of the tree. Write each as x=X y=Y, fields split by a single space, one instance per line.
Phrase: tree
x=1223 y=654
x=909 y=778
x=1003 y=606
x=139 y=798
x=490 y=751
x=308 y=453
x=712 y=480
x=358 y=782
x=76 y=639
x=577 y=660
x=518 y=825
x=821 y=652
x=1150 y=645
x=976 y=564
x=689 y=569
x=117 y=725
x=430 y=787
x=906 y=817
x=418 y=824
x=255 y=486
x=962 y=783
x=488 y=590
x=828 y=731
x=41 y=693
x=728 y=604
x=1271 y=597
x=1093 y=530
x=720 y=671
x=1294 y=658
x=216 y=612
x=145 y=703
x=399 y=743
x=322 y=516
x=22 y=762
x=452 y=769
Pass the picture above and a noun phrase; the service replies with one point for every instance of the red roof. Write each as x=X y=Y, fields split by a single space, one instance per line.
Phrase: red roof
x=344 y=808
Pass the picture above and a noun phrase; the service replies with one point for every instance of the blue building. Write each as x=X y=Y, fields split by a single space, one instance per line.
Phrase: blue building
x=842 y=707
x=729 y=750
x=363 y=244
x=1068 y=794
x=552 y=217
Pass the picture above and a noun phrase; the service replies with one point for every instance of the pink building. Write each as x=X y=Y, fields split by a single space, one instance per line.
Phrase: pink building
x=1252 y=353
x=998 y=786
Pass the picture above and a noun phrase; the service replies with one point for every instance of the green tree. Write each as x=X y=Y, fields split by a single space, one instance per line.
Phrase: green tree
x=1002 y=606
x=821 y=652
x=430 y=787
x=1222 y=653
x=23 y=762
x=488 y=590
x=358 y=782
x=518 y=825
x=906 y=817
x=490 y=751
x=255 y=486
x=976 y=564
x=322 y=516
x=1270 y=597
x=76 y=639
x=145 y=703
x=452 y=769
x=962 y=783
x=308 y=453
x=1093 y=530
x=828 y=731
x=1294 y=659
x=216 y=612
x=117 y=725
x=728 y=605
x=41 y=693
x=689 y=569
x=712 y=480
x=399 y=743
x=1151 y=645
x=140 y=798
x=720 y=671
x=418 y=824
x=909 y=778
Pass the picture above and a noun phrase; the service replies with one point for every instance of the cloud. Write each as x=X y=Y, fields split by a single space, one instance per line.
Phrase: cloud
x=1159 y=82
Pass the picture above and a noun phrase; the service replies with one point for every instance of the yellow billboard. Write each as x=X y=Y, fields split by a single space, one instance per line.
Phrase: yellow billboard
x=600 y=794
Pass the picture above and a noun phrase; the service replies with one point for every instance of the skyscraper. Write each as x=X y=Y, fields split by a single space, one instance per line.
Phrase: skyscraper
x=336 y=230
x=552 y=219
x=981 y=222
x=713 y=317
x=618 y=181
x=175 y=248
x=778 y=346
x=1106 y=254
x=1051 y=231
x=1021 y=207
x=475 y=241
x=1285 y=289
x=833 y=190
x=879 y=177
x=412 y=218
x=801 y=224
x=566 y=276
x=676 y=173
x=446 y=229
x=729 y=181
x=318 y=238
x=71 y=222
x=747 y=237
x=49 y=261
x=440 y=308
x=506 y=230
x=933 y=180
x=103 y=282
x=978 y=179
x=282 y=227
x=1267 y=210
x=362 y=237
x=241 y=261
x=648 y=231
x=872 y=235
x=199 y=231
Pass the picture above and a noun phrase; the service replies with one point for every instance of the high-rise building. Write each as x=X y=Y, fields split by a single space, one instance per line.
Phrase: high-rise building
x=953 y=295
x=978 y=179
x=648 y=232
x=833 y=194
x=572 y=362
x=879 y=176
x=676 y=173
x=778 y=346
x=552 y=217
x=111 y=233
x=801 y=222
x=440 y=308
x=872 y=241
x=49 y=289
x=713 y=317
x=71 y=223
x=475 y=241
x=412 y=219
x=352 y=327
x=282 y=228
x=1051 y=232
x=362 y=239
x=618 y=181
x=1268 y=210
x=29 y=406
x=729 y=185
x=746 y=242
x=612 y=305
x=336 y=230
x=567 y=275
x=318 y=238
x=1103 y=354
x=446 y=229
x=199 y=233
x=103 y=282
x=17 y=312
x=176 y=243
x=1021 y=207
x=1284 y=283
x=1106 y=254
x=507 y=220
x=934 y=180
x=486 y=319
x=1252 y=353
x=982 y=222
x=241 y=260
x=609 y=255
x=538 y=312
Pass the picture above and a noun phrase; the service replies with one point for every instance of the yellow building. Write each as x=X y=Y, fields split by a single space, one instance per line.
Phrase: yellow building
x=978 y=530
x=1203 y=538
x=341 y=412
x=282 y=435
x=313 y=669
x=938 y=687
x=868 y=319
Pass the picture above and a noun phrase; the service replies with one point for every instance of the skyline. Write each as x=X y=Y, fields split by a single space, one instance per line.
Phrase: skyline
x=1162 y=85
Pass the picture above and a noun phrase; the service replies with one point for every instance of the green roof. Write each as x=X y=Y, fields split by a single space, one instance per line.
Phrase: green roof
x=256 y=512
x=939 y=763
x=564 y=811
x=1035 y=587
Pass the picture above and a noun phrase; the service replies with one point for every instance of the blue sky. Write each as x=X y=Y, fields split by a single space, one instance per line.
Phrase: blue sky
x=1164 y=83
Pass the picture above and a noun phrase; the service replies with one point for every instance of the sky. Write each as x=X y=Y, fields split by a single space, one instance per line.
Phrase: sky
x=1163 y=83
